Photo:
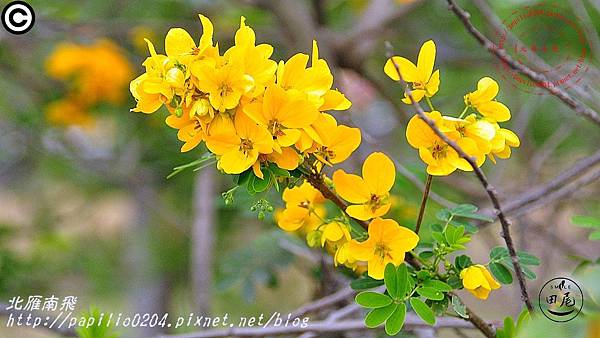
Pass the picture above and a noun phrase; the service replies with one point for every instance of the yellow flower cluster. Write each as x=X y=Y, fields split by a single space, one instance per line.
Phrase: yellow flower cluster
x=94 y=73
x=477 y=133
x=369 y=196
x=247 y=108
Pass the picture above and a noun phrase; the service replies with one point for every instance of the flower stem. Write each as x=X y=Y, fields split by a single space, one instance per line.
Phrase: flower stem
x=423 y=202
x=463 y=112
x=429 y=103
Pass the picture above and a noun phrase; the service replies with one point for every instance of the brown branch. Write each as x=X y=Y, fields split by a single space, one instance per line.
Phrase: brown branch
x=324 y=302
x=546 y=192
x=491 y=191
x=501 y=54
x=316 y=180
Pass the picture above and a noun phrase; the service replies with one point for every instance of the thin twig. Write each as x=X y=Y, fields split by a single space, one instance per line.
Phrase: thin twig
x=491 y=191
x=324 y=302
x=423 y=202
x=501 y=54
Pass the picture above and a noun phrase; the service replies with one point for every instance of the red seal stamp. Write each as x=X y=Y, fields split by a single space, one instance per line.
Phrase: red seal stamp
x=547 y=39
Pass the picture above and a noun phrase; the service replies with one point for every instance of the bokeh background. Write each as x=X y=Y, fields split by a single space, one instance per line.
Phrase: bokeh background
x=86 y=208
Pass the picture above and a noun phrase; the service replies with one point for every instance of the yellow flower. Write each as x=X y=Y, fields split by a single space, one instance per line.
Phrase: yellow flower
x=335 y=142
x=190 y=130
x=67 y=112
x=254 y=58
x=94 y=73
x=238 y=148
x=440 y=158
x=425 y=82
x=283 y=114
x=225 y=85
x=388 y=242
x=483 y=100
x=502 y=143
x=315 y=81
x=369 y=193
x=478 y=281
x=181 y=48
x=335 y=231
x=303 y=205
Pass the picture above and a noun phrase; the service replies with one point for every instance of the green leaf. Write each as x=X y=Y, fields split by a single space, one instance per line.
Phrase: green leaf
x=365 y=282
x=443 y=215
x=372 y=300
x=528 y=273
x=586 y=221
x=498 y=253
x=394 y=323
x=462 y=261
x=430 y=293
x=594 y=236
x=459 y=307
x=525 y=258
x=438 y=237
x=402 y=280
x=501 y=273
x=422 y=310
x=524 y=317
x=464 y=209
x=377 y=316
x=438 y=285
x=455 y=282
x=426 y=254
x=391 y=280
x=260 y=185
x=437 y=227
x=509 y=326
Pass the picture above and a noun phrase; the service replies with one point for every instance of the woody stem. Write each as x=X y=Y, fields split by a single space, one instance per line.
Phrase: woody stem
x=423 y=203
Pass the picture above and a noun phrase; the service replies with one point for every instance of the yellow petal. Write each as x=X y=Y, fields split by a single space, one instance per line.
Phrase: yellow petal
x=379 y=173
x=207 y=32
x=236 y=162
x=362 y=251
x=494 y=110
x=407 y=69
x=178 y=42
x=351 y=187
x=376 y=267
x=426 y=61
x=419 y=134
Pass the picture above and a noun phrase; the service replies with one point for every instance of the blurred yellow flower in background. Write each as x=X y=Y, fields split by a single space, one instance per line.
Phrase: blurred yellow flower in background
x=93 y=74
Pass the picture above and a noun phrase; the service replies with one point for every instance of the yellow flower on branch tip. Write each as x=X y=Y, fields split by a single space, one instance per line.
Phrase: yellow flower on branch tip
x=239 y=149
x=388 y=242
x=483 y=101
x=478 y=281
x=370 y=193
x=425 y=82
x=283 y=114
x=302 y=202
